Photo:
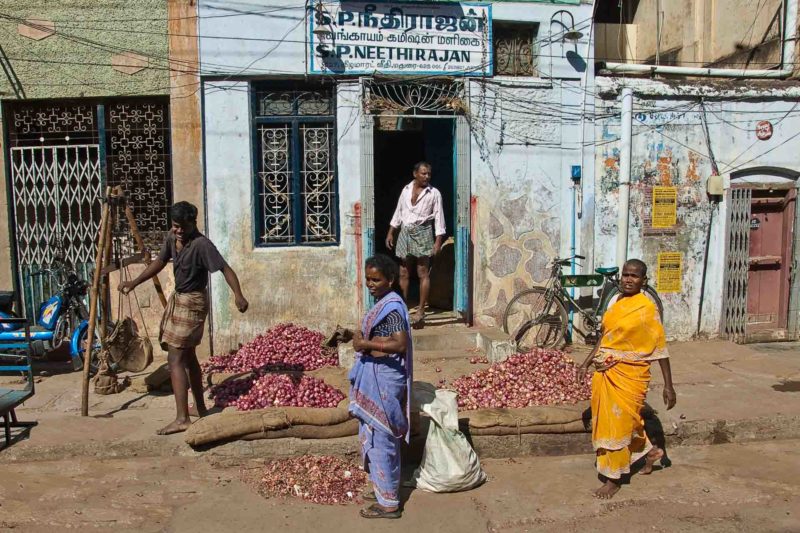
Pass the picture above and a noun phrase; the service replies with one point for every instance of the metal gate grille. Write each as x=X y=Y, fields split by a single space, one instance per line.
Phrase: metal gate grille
x=56 y=196
x=138 y=158
x=734 y=319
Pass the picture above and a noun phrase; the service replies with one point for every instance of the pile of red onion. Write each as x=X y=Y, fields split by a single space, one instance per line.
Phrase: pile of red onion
x=282 y=347
x=541 y=377
x=316 y=478
x=275 y=390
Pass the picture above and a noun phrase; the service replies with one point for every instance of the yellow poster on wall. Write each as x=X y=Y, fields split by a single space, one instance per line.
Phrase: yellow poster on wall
x=665 y=207
x=670 y=272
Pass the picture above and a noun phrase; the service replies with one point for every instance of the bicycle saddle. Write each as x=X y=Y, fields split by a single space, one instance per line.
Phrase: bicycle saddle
x=607 y=271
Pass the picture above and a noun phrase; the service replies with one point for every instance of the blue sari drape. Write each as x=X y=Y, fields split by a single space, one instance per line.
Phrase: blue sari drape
x=380 y=395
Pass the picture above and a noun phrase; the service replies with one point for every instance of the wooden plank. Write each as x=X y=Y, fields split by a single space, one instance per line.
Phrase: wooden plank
x=137 y=237
x=134 y=259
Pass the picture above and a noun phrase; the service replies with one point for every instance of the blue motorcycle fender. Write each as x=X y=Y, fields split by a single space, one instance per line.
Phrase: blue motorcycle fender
x=74 y=346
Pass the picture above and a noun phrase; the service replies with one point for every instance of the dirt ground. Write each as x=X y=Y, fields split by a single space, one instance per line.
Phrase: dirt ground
x=732 y=487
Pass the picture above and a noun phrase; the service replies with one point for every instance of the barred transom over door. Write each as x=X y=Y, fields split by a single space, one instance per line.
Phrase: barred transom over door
x=56 y=196
x=734 y=325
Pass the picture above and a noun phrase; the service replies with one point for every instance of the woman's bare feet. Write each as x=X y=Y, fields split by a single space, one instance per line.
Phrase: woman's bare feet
x=176 y=426
x=607 y=491
x=650 y=459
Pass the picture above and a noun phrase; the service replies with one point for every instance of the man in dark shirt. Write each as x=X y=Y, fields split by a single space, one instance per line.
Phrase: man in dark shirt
x=193 y=257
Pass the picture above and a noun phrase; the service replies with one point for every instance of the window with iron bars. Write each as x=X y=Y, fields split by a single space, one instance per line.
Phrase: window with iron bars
x=515 y=48
x=295 y=165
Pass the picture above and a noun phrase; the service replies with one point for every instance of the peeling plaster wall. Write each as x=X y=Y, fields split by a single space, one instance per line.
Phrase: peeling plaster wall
x=669 y=148
x=310 y=285
x=524 y=141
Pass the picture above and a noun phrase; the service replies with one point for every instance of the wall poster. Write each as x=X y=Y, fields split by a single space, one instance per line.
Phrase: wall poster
x=665 y=207
x=669 y=272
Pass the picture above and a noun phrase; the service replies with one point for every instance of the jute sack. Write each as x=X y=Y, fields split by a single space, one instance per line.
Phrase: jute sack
x=572 y=427
x=542 y=415
x=344 y=429
x=125 y=347
x=231 y=425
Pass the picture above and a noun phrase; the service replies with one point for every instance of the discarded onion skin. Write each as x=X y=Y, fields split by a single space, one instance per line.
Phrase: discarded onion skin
x=282 y=347
x=275 y=390
x=322 y=479
x=541 y=377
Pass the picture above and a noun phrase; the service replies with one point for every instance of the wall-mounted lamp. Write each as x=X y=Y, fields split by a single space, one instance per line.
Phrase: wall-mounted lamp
x=571 y=34
x=323 y=31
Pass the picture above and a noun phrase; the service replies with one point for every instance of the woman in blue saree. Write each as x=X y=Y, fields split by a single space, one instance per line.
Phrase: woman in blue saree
x=381 y=387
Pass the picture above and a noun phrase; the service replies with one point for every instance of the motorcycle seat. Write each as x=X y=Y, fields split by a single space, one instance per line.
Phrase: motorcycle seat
x=7 y=301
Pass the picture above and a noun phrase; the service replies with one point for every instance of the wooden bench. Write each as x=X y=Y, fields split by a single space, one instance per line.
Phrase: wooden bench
x=14 y=364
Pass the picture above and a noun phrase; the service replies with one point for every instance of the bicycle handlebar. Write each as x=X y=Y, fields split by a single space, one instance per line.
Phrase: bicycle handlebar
x=567 y=260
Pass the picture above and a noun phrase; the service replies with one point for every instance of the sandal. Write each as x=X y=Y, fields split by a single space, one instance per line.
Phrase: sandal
x=373 y=511
x=369 y=496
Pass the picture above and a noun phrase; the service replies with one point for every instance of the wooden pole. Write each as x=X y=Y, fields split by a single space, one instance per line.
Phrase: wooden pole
x=137 y=237
x=93 y=300
x=105 y=309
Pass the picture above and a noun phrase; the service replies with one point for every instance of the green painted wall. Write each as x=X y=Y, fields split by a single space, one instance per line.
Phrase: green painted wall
x=76 y=60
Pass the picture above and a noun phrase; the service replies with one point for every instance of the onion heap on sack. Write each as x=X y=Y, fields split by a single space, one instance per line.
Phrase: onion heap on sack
x=282 y=347
x=541 y=377
x=275 y=390
x=316 y=478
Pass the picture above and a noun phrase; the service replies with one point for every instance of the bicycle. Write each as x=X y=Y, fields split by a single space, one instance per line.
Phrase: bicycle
x=537 y=317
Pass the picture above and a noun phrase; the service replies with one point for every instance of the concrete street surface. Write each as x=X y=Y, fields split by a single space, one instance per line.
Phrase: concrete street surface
x=732 y=439
x=730 y=487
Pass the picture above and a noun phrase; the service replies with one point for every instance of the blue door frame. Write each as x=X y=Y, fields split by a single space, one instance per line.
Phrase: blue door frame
x=461 y=205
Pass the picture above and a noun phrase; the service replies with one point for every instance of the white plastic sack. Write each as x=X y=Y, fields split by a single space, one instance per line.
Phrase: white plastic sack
x=449 y=464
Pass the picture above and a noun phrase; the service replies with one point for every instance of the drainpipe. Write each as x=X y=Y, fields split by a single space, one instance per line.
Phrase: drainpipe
x=624 y=176
x=787 y=58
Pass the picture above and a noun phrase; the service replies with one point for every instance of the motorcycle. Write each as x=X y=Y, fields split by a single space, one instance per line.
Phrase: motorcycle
x=63 y=318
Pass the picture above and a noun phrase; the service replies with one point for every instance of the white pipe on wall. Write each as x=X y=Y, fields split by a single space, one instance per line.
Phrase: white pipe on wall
x=787 y=58
x=630 y=68
x=789 y=35
x=624 y=176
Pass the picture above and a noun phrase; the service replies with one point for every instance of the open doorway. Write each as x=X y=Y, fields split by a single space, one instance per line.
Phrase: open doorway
x=399 y=143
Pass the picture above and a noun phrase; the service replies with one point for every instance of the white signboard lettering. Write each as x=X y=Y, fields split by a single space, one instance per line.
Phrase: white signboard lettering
x=400 y=38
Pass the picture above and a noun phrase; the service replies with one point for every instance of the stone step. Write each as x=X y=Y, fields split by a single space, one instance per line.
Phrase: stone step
x=455 y=342
x=459 y=353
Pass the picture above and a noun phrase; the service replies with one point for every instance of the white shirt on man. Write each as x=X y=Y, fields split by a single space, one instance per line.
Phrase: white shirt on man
x=429 y=207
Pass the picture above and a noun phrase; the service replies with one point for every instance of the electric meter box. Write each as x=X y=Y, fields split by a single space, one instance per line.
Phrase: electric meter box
x=715 y=186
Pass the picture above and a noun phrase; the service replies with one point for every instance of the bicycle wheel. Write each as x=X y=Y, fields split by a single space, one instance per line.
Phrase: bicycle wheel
x=648 y=291
x=533 y=322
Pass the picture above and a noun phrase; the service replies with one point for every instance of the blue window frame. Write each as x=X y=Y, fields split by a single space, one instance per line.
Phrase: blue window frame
x=294 y=139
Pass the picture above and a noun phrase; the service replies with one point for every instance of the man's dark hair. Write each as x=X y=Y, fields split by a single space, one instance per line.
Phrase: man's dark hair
x=638 y=263
x=183 y=212
x=421 y=164
x=385 y=265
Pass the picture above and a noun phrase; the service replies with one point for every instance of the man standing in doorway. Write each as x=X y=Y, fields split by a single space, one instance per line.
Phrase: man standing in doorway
x=420 y=218
x=194 y=257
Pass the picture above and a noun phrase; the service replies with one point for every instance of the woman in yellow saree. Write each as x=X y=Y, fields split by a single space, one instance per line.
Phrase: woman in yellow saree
x=632 y=338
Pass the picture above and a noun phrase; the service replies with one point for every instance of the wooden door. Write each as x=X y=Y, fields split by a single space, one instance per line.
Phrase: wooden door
x=770 y=260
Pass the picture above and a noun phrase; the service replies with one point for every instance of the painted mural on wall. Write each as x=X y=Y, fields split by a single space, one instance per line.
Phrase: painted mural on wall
x=519 y=217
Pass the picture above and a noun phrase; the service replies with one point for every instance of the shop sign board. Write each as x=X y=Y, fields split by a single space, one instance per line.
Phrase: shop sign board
x=452 y=38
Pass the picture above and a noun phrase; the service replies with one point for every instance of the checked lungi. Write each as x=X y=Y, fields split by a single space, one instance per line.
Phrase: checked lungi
x=183 y=320
x=415 y=241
